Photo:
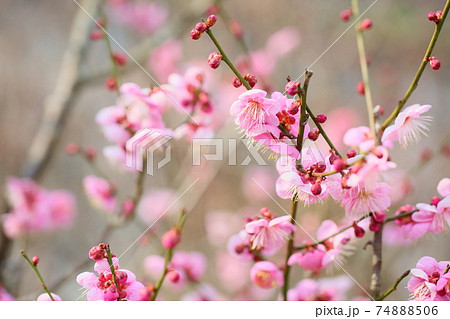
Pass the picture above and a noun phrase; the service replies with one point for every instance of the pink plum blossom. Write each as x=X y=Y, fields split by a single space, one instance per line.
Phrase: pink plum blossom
x=204 y=292
x=325 y=289
x=4 y=295
x=428 y=281
x=266 y=275
x=164 y=59
x=155 y=204
x=35 y=209
x=46 y=297
x=268 y=235
x=100 y=192
x=409 y=125
x=102 y=287
x=409 y=226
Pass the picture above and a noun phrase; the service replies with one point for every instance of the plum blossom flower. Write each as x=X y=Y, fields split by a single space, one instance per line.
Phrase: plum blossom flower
x=409 y=125
x=155 y=203
x=35 y=209
x=428 y=281
x=318 y=257
x=100 y=192
x=239 y=246
x=255 y=113
x=46 y=297
x=269 y=234
x=204 y=292
x=102 y=286
x=436 y=215
x=409 y=226
x=325 y=289
x=266 y=275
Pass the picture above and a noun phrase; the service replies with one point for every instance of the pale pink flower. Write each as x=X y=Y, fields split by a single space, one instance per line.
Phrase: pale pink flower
x=204 y=292
x=360 y=137
x=164 y=59
x=100 y=192
x=239 y=246
x=193 y=264
x=192 y=130
x=409 y=125
x=325 y=289
x=4 y=295
x=255 y=113
x=409 y=226
x=266 y=180
x=268 y=235
x=102 y=287
x=318 y=257
x=428 y=281
x=437 y=216
x=46 y=297
x=220 y=226
x=233 y=273
x=155 y=204
x=35 y=209
x=266 y=275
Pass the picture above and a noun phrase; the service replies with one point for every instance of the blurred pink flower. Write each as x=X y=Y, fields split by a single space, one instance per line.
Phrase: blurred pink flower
x=409 y=226
x=266 y=180
x=100 y=192
x=46 y=297
x=360 y=137
x=155 y=204
x=325 y=289
x=340 y=120
x=239 y=246
x=164 y=59
x=409 y=125
x=266 y=275
x=102 y=287
x=193 y=264
x=232 y=273
x=204 y=292
x=220 y=226
x=4 y=295
x=36 y=209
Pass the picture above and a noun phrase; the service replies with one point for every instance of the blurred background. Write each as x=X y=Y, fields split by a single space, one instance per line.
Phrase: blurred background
x=34 y=37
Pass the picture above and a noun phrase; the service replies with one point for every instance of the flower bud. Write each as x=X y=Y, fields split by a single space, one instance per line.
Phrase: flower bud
x=292 y=87
x=365 y=24
x=435 y=63
x=90 y=152
x=171 y=238
x=111 y=83
x=294 y=107
x=346 y=14
x=96 y=35
x=251 y=79
x=351 y=153
x=321 y=118
x=214 y=60
x=374 y=226
x=121 y=277
x=72 y=148
x=320 y=167
x=195 y=34
x=379 y=216
x=236 y=29
x=316 y=189
x=432 y=17
x=236 y=82
x=200 y=27
x=339 y=164
x=435 y=200
x=119 y=58
x=360 y=88
x=212 y=19
x=35 y=260
x=173 y=275
x=97 y=253
x=359 y=231
x=314 y=134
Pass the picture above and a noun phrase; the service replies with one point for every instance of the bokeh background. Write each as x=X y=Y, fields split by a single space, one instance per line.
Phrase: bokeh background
x=34 y=37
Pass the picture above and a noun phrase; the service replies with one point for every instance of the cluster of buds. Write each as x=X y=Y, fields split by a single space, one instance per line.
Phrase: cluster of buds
x=98 y=253
x=434 y=63
x=98 y=34
x=346 y=14
x=376 y=219
x=201 y=27
x=214 y=60
x=106 y=283
x=435 y=16
x=250 y=78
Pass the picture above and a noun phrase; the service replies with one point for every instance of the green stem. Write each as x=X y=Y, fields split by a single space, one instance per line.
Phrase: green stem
x=303 y=116
x=168 y=257
x=290 y=250
x=423 y=64
x=227 y=60
x=394 y=286
x=111 y=267
x=114 y=66
x=22 y=252
x=364 y=69
x=390 y=219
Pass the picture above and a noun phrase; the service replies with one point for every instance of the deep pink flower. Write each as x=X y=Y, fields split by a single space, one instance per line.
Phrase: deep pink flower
x=266 y=275
x=102 y=287
x=100 y=192
x=428 y=281
x=268 y=235
x=409 y=125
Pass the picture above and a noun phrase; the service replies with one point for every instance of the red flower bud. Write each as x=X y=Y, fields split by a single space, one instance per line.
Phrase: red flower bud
x=212 y=19
x=435 y=63
x=365 y=24
x=294 y=107
x=195 y=34
x=96 y=35
x=173 y=275
x=359 y=231
x=111 y=83
x=200 y=27
x=292 y=87
x=339 y=164
x=171 y=238
x=214 y=60
x=316 y=189
x=435 y=200
x=120 y=58
x=35 y=260
x=314 y=134
x=236 y=82
x=321 y=118
x=251 y=79
x=346 y=14
x=351 y=153
x=360 y=88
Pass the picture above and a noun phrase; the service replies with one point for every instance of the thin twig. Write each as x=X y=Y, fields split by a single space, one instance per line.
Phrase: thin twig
x=394 y=286
x=290 y=250
x=36 y=270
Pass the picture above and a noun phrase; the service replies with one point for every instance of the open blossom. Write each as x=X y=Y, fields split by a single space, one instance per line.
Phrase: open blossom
x=318 y=257
x=100 y=192
x=266 y=275
x=409 y=226
x=239 y=246
x=255 y=113
x=409 y=125
x=428 y=282
x=35 y=209
x=269 y=234
x=102 y=286
x=436 y=215
x=325 y=289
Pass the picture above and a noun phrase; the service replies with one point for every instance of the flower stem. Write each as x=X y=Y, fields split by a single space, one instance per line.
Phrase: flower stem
x=394 y=286
x=364 y=69
x=168 y=257
x=227 y=60
x=377 y=260
x=290 y=250
x=415 y=81
x=22 y=252
x=111 y=267
x=114 y=66
x=303 y=116
x=390 y=219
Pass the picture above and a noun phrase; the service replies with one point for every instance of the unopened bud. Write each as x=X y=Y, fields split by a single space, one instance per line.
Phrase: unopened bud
x=35 y=260
x=292 y=87
x=171 y=238
x=321 y=118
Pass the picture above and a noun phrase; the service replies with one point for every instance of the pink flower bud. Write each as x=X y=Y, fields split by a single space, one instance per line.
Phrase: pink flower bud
x=294 y=107
x=266 y=213
x=351 y=153
x=333 y=157
x=435 y=63
x=374 y=226
x=251 y=79
x=426 y=154
x=359 y=231
x=292 y=87
x=72 y=148
x=200 y=27
x=432 y=17
x=90 y=152
x=96 y=35
x=439 y=14
x=339 y=164
x=195 y=34
x=314 y=134
x=321 y=118
x=365 y=24
x=212 y=19
x=316 y=189
x=360 y=88
x=173 y=276
x=120 y=58
x=320 y=167
x=346 y=14
x=214 y=60
x=236 y=82
x=171 y=238
x=121 y=277
x=35 y=260
x=236 y=29
x=111 y=83
x=379 y=217
x=435 y=200
x=97 y=253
